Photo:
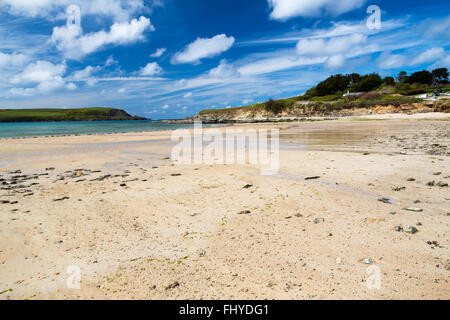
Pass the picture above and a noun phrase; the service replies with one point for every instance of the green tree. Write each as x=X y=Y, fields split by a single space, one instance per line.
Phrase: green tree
x=367 y=83
x=390 y=81
x=423 y=77
x=402 y=77
x=334 y=84
x=440 y=76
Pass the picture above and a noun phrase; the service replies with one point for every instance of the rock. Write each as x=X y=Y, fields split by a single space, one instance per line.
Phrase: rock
x=398 y=228
x=413 y=209
x=176 y=174
x=173 y=285
x=442 y=184
x=367 y=260
x=437 y=173
x=247 y=186
x=123 y=184
x=411 y=230
x=385 y=200
x=4 y=201
x=397 y=188
x=49 y=169
x=319 y=220
x=410 y=179
x=431 y=183
x=393 y=213
x=245 y=212
x=312 y=178
x=299 y=215
x=61 y=199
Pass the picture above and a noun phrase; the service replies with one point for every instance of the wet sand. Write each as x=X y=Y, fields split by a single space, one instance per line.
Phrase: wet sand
x=140 y=227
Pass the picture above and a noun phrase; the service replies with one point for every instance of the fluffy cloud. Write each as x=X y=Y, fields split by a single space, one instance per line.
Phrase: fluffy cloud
x=336 y=61
x=151 y=69
x=188 y=95
x=286 y=9
x=120 y=10
x=86 y=75
x=431 y=55
x=46 y=75
x=158 y=53
x=74 y=45
x=223 y=70
x=391 y=61
x=13 y=59
x=332 y=46
x=204 y=48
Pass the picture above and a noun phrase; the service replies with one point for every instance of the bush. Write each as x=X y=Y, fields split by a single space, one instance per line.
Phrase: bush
x=273 y=106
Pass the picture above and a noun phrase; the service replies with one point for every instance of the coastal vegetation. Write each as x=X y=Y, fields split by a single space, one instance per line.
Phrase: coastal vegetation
x=80 y=114
x=355 y=91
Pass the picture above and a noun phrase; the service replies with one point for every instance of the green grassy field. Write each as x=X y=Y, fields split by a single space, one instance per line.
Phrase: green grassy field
x=81 y=114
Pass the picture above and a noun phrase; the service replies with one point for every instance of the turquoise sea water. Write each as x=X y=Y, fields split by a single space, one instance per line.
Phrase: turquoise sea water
x=39 y=129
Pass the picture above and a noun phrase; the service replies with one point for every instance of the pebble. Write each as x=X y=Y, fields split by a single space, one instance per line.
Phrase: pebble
x=367 y=260
x=411 y=230
x=385 y=200
x=319 y=220
x=413 y=209
x=245 y=212
x=312 y=178
x=173 y=285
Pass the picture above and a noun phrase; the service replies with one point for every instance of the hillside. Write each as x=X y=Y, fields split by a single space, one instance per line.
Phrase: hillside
x=81 y=114
x=347 y=95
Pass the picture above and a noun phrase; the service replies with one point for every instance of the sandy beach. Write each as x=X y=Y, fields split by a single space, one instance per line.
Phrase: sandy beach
x=141 y=227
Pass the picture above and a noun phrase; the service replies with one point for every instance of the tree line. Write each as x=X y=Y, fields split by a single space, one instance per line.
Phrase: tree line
x=355 y=82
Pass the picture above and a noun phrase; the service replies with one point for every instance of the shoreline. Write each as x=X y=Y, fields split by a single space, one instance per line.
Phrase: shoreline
x=390 y=116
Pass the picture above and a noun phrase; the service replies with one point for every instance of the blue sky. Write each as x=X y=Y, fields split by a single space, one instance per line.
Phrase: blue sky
x=172 y=58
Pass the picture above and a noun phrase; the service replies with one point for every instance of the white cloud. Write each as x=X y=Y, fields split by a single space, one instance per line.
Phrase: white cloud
x=86 y=75
x=40 y=72
x=165 y=107
x=71 y=86
x=188 y=95
x=286 y=9
x=223 y=70
x=158 y=53
x=151 y=69
x=431 y=55
x=332 y=46
x=22 y=92
x=336 y=61
x=13 y=59
x=443 y=63
x=46 y=75
x=110 y=61
x=204 y=48
x=74 y=45
x=391 y=61
x=276 y=64
x=120 y=10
